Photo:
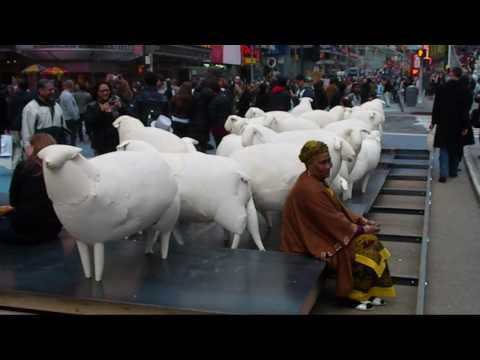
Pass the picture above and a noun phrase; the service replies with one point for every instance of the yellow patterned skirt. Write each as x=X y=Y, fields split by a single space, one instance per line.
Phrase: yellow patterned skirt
x=371 y=276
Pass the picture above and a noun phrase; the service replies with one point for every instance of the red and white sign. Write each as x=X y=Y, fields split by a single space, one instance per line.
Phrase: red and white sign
x=226 y=54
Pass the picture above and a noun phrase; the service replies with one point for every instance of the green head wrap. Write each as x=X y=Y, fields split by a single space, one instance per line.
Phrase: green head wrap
x=311 y=149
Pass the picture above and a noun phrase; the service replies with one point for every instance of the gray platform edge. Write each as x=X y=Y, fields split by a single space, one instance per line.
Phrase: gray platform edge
x=472 y=171
x=392 y=141
x=422 y=279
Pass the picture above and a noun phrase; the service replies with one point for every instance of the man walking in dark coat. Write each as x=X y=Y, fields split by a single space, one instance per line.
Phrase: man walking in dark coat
x=199 y=125
x=450 y=115
x=219 y=109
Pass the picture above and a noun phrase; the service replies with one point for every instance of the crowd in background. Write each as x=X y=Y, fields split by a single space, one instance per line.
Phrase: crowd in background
x=196 y=108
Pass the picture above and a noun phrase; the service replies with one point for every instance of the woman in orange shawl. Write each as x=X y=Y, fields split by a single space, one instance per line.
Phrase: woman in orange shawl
x=316 y=223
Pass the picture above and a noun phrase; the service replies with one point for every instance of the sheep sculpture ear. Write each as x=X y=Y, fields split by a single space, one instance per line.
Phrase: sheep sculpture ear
x=338 y=144
x=229 y=123
x=247 y=136
x=55 y=156
x=135 y=145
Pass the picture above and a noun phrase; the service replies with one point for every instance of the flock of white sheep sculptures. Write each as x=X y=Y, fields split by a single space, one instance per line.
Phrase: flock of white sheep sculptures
x=156 y=179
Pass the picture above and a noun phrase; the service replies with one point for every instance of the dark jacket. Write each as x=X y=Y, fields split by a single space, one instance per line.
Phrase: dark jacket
x=104 y=136
x=218 y=110
x=244 y=103
x=182 y=106
x=469 y=139
x=147 y=99
x=450 y=115
x=320 y=101
x=262 y=101
x=199 y=125
x=365 y=92
x=15 y=108
x=4 y=123
x=33 y=217
x=279 y=99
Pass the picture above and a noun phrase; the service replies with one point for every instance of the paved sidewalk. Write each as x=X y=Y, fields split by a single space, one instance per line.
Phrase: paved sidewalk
x=423 y=108
x=453 y=271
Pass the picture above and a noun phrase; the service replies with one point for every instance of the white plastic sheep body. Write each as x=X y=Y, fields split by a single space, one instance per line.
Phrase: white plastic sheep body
x=319 y=117
x=351 y=130
x=375 y=118
x=375 y=104
x=338 y=112
x=236 y=124
x=255 y=112
x=273 y=170
x=367 y=161
x=211 y=188
x=130 y=128
x=229 y=145
x=110 y=197
x=289 y=123
x=339 y=149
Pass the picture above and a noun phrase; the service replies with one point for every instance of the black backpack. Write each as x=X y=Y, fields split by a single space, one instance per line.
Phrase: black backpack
x=152 y=108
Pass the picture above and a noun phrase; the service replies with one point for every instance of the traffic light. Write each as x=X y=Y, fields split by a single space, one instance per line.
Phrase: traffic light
x=421 y=53
x=415 y=72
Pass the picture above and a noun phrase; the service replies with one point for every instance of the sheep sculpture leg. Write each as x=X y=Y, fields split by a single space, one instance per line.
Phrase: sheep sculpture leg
x=85 y=259
x=252 y=224
x=152 y=236
x=178 y=237
x=365 y=183
x=165 y=243
x=347 y=193
x=235 y=241
x=99 y=260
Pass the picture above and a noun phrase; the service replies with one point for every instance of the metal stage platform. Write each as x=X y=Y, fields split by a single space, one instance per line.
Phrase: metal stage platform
x=191 y=280
x=202 y=276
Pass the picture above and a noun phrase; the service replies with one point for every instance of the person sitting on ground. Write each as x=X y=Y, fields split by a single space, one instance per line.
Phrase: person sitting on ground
x=317 y=224
x=30 y=217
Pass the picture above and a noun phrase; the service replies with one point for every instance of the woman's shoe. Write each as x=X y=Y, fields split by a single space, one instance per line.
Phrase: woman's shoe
x=376 y=301
x=364 y=306
x=353 y=304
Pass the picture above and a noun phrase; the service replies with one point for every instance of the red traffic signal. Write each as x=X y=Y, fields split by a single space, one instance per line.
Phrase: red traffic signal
x=415 y=71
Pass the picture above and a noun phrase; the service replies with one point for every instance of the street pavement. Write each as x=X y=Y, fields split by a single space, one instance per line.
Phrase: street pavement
x=453 y=266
